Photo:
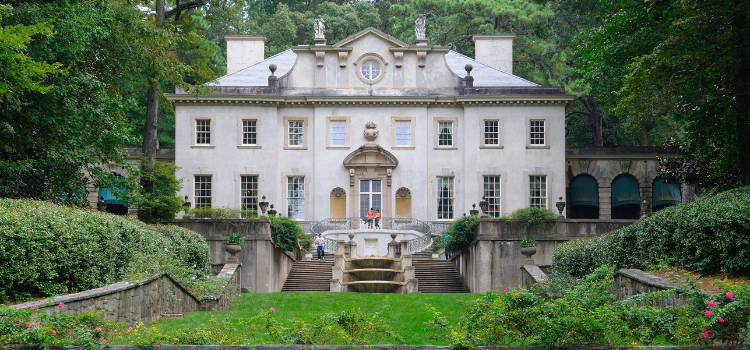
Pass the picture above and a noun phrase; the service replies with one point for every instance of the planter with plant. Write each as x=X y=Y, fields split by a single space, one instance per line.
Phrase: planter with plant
x=528 y=248
x=233 y=247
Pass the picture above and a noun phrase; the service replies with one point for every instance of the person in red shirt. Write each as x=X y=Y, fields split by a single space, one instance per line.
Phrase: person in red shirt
x=370 y=215
x=377 y=219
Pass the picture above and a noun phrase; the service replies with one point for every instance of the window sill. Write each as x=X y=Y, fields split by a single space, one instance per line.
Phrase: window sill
x=491 y=147
x=537 y=147
x=296 y=148
x=402 y=147
x=445 y=220
x=337 y=147
x=446 y=148
x=249 y=146
x=202 y=146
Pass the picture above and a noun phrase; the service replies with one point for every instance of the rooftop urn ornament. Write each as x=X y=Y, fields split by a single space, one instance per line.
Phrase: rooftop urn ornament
x=483 y=205
x=272 y=212
x=468 y=79
x=320 y=28
x=371 y=133
x=272 y=79
x=419 y=30
x=473 y=210
x=186 y=203
x=263 y=206
x=560 y=207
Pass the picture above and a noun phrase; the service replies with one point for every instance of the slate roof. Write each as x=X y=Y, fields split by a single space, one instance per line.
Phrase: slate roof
x=257 y=74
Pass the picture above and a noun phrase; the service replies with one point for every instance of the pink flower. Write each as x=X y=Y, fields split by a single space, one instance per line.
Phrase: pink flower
x=568 y=335
x=61 y=304
x=272 y=310
x=28 y=324
x=711 y=303
x=130 y=328
x=158 y=342
x=721 y=320
x=33 y=308
x=98 y=329
x=37 y=324
x=729 y=295
x=18 y=325
x=708 y=313
x=53 y=332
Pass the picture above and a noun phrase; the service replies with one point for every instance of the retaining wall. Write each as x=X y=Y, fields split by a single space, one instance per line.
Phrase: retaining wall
x=265 y=267
x=629 y=282
x=494 y=258
x=142 y=301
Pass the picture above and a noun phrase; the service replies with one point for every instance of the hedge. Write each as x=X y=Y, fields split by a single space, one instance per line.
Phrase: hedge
x=49 y=250
x=709 y=236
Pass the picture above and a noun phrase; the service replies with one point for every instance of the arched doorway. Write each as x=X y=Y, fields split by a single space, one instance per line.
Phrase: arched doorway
x=626 y=198
x=584 y=197
x=665 y=195
x=115 y=205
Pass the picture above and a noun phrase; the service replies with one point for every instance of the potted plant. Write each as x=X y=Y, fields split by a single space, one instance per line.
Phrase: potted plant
x=528 y=248
x=233 y=247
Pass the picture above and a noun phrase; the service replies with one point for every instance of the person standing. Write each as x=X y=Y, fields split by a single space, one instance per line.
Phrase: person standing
x=320 y=242
x=370 y=215
x=377 y=218
x=447 y=254
x=299 y=249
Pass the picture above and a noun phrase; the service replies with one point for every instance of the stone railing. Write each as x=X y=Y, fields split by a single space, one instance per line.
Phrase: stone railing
x=361 y=224
x=143 y=301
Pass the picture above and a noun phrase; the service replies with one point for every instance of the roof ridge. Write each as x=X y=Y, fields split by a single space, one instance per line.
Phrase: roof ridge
x=490 y=67
x=253 y=65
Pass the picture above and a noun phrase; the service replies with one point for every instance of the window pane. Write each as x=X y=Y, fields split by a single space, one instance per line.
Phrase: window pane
x=202 y=191
x=445 y=197
x=249 y=192
x=202 y=131
x=403 y=133
x=537 y=132
x=538 y=191
x=295 y=134
x=445 y=134
x=492 y=195
x=296 y=197
x=338 y=133
x=249 y=132
x=491 y=132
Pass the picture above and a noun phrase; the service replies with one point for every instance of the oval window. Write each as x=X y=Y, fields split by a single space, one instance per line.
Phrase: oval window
x=370 y=70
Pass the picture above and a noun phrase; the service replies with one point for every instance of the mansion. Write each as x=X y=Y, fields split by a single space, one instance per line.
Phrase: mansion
x=329 y=131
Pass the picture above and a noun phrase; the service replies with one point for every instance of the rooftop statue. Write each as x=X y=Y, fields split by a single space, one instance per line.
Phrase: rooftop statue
x=320 y=28
x=419 y=27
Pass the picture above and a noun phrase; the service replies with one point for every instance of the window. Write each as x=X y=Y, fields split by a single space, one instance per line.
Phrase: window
x=370 y=70
x=492 y=195
x=537 y=132
x=203 y=131
x=491 y=132
x=445 y=197
x=295 y=133
x=249 y=132
x=249 y=192
x=338 y=133
x=538 y=191
x=445 y=133
x=403 y=133
x=295 y=196
x=202 y=191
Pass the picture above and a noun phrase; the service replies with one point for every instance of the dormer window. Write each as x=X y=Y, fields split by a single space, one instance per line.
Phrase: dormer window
x=370 y=70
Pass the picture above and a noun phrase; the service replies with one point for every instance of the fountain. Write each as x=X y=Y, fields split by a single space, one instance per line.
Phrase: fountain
x=372 y=274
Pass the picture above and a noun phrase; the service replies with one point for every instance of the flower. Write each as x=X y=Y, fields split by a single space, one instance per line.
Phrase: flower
x=28 y=324
x=729 y=295
x=18 y=325
x=61 y=304
x=130 y=328
x=708 y=313
x=711 y=303
x=568 y=335
x=158 y=342
x=166 y=250
x=98 y=329
x=33 y=307
x=53 y=332
x=721 y=320
x=272 y=310
x=36 y=324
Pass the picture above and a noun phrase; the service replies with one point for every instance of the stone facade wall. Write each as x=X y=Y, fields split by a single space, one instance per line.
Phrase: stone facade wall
x=495 y=258
x=265 y=267
x=146 y=301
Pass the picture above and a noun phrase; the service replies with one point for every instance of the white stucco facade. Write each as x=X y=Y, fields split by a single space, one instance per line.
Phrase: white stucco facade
x=319 y=89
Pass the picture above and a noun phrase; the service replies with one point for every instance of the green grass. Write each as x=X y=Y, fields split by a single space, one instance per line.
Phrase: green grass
x=407 y=314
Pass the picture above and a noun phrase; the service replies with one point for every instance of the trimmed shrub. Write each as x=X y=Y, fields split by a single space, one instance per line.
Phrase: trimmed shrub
x=710 y=235
x=462 y=233
x=284 y=233
x=49 y=250
x=532 y=216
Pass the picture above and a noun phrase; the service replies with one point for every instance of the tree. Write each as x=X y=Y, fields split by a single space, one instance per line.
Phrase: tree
x=160 y=203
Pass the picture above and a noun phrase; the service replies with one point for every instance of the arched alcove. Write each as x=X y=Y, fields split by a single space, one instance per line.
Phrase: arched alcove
x=664 y=195
x=626 y=197
x=338 y=203
x=403 y=203
x=584 y=197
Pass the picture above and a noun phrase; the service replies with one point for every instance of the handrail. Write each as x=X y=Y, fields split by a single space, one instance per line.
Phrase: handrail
x=357 y=223
x=417 y=244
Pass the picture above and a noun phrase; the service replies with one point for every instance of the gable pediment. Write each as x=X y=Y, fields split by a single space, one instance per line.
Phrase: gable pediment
x=370 y=156
x=370 y=31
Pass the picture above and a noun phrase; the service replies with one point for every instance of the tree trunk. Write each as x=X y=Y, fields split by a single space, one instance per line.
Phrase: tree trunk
x=150 y=140
x=741 y=73
x=644 y=138
x=595 y=120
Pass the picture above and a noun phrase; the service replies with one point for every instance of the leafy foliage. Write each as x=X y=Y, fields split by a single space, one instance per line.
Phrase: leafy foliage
x=710 y=235
x=50 y=250
x=284 y=233
x=159 y=203
x=527 y=241
x=532 y=217
x=234 y=238
x=462 y=233
x=221 y=213
x=706 y=170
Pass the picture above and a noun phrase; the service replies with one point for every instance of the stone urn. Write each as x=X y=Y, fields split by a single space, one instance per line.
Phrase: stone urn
x=233 y=249
x=528 y=252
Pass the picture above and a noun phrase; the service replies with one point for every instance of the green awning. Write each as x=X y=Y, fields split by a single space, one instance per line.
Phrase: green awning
x=666 y=194
x=110 y=197
x=584 y=190
x=625 y=190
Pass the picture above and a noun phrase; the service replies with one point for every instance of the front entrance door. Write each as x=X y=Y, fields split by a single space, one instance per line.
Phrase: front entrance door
x=370 y=196
x=371 y=247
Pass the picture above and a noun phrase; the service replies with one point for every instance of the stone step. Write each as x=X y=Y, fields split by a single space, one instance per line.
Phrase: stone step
x=309 y=276
x=437 y=276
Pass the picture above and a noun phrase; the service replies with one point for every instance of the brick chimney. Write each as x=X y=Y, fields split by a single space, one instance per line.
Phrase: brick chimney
x=495 y=50
x=244 y=51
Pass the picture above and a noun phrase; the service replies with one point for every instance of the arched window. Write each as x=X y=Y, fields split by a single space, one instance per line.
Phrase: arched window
x=338 y=203
x=403 y=203
x=665 y=195
x=626 y=198
x=584 y=197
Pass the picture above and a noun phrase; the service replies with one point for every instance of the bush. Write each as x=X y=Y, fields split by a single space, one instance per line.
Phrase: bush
x=532 y=216
x=438 y=242
x=49 y=250
x=709 y=236
x=284 y=233
x=461 y=232
x=156 y=198
x=222 y=213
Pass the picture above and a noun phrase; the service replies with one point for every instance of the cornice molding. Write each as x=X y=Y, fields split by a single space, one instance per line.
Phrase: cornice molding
x=180 y=99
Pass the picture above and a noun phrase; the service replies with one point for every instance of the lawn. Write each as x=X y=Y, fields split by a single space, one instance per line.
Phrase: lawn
x=405 y=313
